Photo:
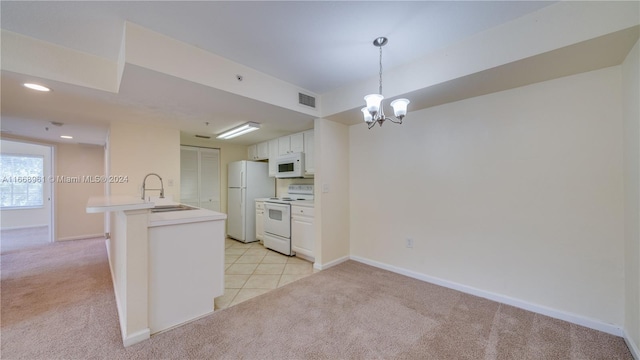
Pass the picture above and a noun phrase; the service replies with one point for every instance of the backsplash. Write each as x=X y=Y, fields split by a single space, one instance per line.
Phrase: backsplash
x=282 y=185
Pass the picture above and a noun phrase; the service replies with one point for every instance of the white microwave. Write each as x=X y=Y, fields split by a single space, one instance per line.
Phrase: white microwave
x=290 y=166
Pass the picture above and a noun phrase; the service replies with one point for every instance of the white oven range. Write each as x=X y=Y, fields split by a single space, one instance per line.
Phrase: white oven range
x=277 y=218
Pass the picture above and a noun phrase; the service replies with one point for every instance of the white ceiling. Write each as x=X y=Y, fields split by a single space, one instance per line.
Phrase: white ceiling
x=319 y=46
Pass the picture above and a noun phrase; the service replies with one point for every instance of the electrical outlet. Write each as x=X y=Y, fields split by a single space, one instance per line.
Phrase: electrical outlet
x=409 y=243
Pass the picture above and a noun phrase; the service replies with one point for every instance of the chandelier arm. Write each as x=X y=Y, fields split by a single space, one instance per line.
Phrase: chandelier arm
x=371 y=124
x=397 y=121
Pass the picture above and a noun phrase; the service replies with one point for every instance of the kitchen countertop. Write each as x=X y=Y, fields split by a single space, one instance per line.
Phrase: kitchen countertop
x=98 y=204
x=306 y=203
x=184 y=217
x=127 y=202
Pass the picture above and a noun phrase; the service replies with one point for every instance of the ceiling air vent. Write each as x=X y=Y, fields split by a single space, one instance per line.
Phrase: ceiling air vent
x=307 y=100
x=203 y=136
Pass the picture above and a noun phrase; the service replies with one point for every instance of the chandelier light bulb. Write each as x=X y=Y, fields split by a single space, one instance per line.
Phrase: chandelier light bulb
x=367 y=115
x=400 y=107
x=373 y=103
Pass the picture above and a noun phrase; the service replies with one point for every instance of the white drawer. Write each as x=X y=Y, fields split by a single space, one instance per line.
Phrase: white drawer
x=302 y=211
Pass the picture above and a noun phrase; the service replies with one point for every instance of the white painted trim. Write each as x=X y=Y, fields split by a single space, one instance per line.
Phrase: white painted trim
x=52 y=194
x=330 y=263
x=554 y=313
x=184 y=323
x=115 y=291
x=23 y=227
x=635 y=352
x=136 y=337
x=81 y=237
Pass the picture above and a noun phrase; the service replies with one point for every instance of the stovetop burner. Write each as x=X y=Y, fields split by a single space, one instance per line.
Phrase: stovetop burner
x=296 y=192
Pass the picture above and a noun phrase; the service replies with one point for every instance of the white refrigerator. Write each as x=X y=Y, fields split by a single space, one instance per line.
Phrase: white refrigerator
x=247 y=180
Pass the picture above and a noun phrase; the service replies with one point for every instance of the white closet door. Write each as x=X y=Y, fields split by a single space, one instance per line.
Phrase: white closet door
x=189 y=170
x=200 y=177
x=210 y=179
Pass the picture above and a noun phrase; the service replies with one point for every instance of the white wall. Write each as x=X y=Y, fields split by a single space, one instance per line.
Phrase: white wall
x=517 y=193
x=331 y=148
x=631 y=115
x=22 y=218
x=72 y=220
x=136 y=150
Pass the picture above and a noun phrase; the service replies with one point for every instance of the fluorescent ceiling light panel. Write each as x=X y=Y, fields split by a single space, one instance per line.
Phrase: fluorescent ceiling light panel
x=66 y=136
x=240 y=130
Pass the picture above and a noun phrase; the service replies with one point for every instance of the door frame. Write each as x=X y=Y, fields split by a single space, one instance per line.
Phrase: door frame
x=48 y=182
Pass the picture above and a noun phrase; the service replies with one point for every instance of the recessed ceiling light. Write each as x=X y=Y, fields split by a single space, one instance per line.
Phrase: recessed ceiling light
x=66 y=137
x=37 y=87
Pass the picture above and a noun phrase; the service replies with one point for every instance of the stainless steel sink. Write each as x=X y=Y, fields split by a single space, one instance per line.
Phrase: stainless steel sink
x=167 y=208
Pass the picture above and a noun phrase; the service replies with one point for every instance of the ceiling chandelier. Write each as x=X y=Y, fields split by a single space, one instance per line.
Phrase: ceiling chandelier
x=374 y=112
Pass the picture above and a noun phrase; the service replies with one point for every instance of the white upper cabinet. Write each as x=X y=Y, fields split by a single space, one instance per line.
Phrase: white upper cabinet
x=284 y=145
x=299 y=142
x=262 y=151
x=258 y=151
x=273 y=154
x=309 y=163
x=252 y=152
x=291 y=144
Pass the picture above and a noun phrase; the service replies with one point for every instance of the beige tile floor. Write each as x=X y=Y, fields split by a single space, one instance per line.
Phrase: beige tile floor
x=252 y=270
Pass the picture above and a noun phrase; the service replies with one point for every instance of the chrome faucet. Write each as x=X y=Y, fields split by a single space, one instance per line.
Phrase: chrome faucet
x=144 y=185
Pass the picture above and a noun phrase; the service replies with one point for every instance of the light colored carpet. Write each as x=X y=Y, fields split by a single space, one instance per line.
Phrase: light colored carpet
x=58 y=303
x=16 y=239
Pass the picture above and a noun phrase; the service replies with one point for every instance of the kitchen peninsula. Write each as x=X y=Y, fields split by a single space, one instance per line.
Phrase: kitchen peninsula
x=167 y=262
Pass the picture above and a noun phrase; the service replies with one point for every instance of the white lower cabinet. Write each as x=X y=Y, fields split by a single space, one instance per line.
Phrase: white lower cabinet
x=302 y=231
x=185 y=272
x=260 y=221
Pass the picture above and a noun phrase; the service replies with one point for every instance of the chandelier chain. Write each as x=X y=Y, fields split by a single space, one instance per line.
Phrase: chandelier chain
x=380 y=87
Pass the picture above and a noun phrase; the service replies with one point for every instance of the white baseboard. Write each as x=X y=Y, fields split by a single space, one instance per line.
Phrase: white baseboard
x=136 y=337
x=23 y=227
x=633 y=347
x=115 y=290
x=554 y=313
x=81 y=237
x=330 y=263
